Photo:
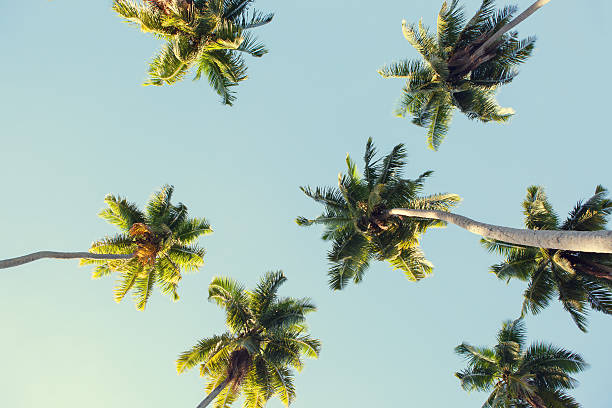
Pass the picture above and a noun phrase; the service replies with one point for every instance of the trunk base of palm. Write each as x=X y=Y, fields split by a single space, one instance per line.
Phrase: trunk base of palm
x=213 y=394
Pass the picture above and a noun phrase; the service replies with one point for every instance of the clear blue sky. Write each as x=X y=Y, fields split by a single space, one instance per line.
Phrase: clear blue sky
x=76 y=125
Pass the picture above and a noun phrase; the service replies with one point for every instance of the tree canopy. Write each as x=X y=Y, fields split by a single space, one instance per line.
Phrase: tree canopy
x=455 y=72
x=162 y=240
x=352 y=223
x=267 y=338
x=210 y=35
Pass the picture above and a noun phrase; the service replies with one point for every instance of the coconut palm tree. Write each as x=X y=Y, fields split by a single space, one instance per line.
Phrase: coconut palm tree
x=579 y=279
x=153 y=247
x=519 y=377
x=266 y=337
x=353 y=218
x=463 y=65
x=209 y=35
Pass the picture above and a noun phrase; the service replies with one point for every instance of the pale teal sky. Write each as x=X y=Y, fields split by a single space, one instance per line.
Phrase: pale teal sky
x=76 y=125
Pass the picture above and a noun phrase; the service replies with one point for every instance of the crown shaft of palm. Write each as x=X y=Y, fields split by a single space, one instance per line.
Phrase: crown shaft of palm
x=269 y=330
x=580 y=280
x=535 y=376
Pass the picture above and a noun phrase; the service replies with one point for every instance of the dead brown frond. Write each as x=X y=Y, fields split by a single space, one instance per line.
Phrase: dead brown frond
x=148 y=243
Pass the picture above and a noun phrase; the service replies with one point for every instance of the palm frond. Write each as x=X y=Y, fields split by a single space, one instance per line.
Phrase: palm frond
x=450 y=23
x=265 y=292
x=201 y=352
x=120 y=212
x=539 y=292
x=413 y=263
x=230 y=295
x=539 y=214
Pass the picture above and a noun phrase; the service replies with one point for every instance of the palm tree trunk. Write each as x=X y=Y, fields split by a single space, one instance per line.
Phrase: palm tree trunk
x=580 y=241
x=9 y=263
x=532 y=9
x=214 y=393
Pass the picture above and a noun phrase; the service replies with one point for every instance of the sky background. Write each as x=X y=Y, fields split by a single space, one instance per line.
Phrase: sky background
x=77 y=124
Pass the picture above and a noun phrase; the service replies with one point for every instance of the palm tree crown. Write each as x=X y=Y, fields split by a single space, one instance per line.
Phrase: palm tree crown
x=266 y=337
x=161 y=239
x=356 y=223
x=452 y=73
x=578 y=279
x=206 y=34
x=520 y=377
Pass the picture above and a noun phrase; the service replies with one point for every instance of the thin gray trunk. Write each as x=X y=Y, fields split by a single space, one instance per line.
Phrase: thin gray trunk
x=532 y=9
x=210 y=397
x=580 y=241
x=9 y=263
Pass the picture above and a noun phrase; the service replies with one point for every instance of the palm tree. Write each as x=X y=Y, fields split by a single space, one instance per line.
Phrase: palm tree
x=579 y=279
x=353 y=218
x=462 y=66
x=153 y=247
x=266 y=337
x=209 y=35
x=520 y=377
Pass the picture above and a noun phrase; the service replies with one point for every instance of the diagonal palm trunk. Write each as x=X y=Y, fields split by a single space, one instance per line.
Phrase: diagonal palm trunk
x=213 y=394
x=9 y=263
x=468 y=59
x=580 y=241
x=519 y=19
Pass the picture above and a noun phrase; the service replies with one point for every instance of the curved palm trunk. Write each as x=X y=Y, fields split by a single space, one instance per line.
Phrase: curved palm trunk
x=519 y=19
x=9 y=263
x=210 y=397
x=581 y=241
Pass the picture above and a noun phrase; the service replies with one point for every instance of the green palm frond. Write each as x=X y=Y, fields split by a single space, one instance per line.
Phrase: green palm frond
x=149 y=20
x=281 y=380
x=143 y=288
x=479 y=103
x=540 y=291
x=557 y=398
x=598 y=295
x=513 y=331
x=227 y=293
x=450 y=23
x=542 y=357
x=265 y=292
x=120 y=212
x=413 y=263
x=125 y=283
x=476 y=379
x=439 y=120
x=166 y=68
x=188 y=231
x=480 y=358
x=539 y=214
x=591 y=215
